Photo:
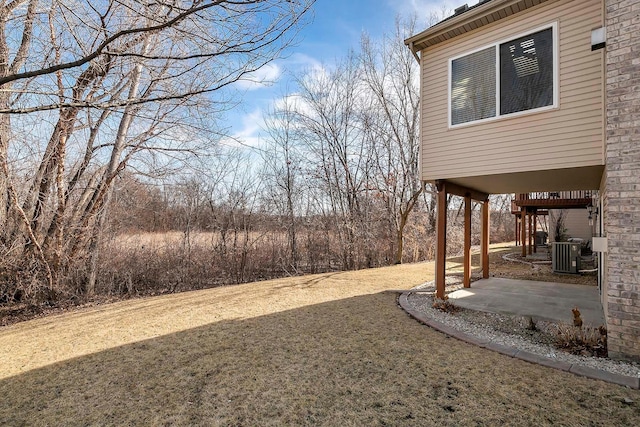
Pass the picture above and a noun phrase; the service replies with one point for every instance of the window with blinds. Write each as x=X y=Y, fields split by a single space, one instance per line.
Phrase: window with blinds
x=473 y=86
x=526 y=72
x=504 y=78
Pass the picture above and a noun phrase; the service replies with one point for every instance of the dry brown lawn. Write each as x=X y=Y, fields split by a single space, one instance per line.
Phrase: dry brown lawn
x=330 y=349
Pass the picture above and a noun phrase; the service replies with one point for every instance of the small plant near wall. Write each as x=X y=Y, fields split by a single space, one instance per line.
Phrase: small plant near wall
x=560 y=231
x=445 y=305
x=580 y=340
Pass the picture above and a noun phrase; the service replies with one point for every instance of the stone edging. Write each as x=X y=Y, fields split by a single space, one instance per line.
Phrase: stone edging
x=596 y=374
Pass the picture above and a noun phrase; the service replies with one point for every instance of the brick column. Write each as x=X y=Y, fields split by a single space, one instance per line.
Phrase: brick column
x=622 y=194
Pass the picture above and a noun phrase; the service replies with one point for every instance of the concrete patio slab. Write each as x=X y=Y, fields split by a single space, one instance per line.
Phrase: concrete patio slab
x=541 y=300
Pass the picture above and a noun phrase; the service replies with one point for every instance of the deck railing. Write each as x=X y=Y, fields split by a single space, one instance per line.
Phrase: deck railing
x=551 y=195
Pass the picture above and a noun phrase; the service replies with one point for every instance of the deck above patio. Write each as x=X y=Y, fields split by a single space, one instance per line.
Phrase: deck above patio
x=554 y=200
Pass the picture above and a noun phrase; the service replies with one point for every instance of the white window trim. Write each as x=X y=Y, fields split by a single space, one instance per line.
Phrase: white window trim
x=496 y=45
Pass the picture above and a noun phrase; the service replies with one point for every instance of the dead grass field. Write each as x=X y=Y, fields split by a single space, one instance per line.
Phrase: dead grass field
x=159 y=241
x=330 y=349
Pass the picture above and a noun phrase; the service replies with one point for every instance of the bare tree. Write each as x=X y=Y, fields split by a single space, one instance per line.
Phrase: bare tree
x=283 y=171
x=502 y=220
x=109 y=86
x=235 y=203
x=391 y=75
x=331 y=102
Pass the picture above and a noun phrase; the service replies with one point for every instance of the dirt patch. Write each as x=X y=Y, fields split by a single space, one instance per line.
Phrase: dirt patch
x=509 y=263
x=505 y=260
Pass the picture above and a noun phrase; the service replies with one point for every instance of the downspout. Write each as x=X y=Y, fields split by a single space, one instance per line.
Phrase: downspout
x=415 y=55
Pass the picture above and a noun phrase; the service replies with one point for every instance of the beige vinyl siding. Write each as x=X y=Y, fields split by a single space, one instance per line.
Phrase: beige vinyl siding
x=576 y=223
x=567 y=137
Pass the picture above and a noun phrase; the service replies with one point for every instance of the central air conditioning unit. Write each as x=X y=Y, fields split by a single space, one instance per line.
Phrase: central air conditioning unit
x=565 y=257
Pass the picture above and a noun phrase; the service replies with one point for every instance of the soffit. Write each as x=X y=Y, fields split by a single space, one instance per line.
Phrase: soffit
x=569 y=179
x=475 y=17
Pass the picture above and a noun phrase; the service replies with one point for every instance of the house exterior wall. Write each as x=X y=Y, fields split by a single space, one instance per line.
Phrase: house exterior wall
x=603 y=282
x=598 y=118
x=567 y=137
x=576 y=223
x=622 y=187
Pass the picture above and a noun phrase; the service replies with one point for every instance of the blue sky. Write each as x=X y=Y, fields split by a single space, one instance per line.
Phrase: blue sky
x=334 y=28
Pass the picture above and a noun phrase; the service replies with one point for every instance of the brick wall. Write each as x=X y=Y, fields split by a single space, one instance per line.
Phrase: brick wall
x=622 y=195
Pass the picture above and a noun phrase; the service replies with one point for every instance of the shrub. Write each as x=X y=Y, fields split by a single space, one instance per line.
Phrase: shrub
x=584 y=341
x=445 y=305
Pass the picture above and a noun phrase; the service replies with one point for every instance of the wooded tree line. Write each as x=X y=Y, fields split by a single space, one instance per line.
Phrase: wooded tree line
x=93 y=89
x=108 y=129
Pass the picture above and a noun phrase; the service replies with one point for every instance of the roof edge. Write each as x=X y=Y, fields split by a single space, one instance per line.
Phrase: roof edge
x=455 y=24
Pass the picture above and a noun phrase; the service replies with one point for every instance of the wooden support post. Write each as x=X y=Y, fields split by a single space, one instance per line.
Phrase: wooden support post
x=441 y=239
x=485 y=239
x=535 y=228
x=530 y=233
x=466 y=280
x=523 y=231
x=517 y=230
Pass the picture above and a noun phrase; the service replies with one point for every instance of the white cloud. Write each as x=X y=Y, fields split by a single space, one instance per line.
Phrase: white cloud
x=251 y=124
x=301 y=64
x=248 y=134
x=264 y=77
x=293 y=101
x=301 y=60
x=247 y=127
x=250 y=127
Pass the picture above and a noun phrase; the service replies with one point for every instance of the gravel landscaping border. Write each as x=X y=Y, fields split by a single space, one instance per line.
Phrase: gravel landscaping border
x=488 y=330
